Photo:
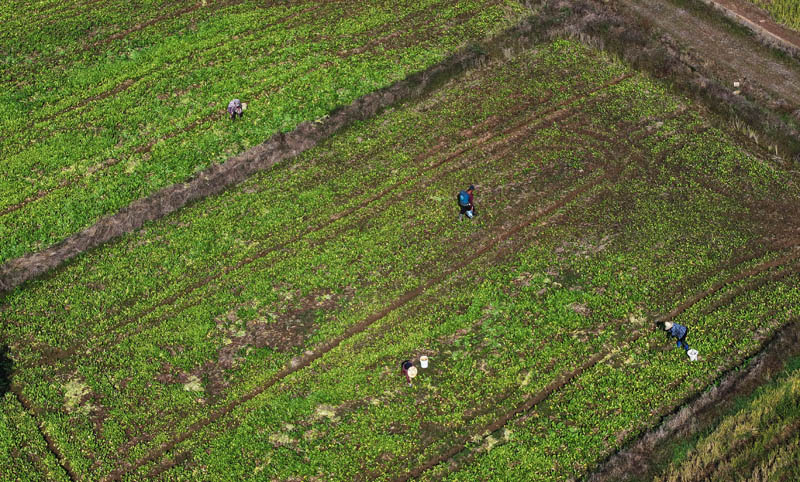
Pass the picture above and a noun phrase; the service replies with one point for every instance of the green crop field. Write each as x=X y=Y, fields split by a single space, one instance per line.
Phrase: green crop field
x=258 y=334
x=786 y=12
x=759 y=441
x=104 y=104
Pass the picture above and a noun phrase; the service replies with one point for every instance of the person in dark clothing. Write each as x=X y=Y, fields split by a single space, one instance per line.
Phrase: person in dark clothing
x=408 y=369
x=677 y=331
x=235 y=108
x=466 y=203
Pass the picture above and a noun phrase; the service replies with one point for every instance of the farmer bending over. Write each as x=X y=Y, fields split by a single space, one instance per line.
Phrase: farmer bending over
x=409 y=370
x=675 y=330
x=465 y=203
x=235 y=108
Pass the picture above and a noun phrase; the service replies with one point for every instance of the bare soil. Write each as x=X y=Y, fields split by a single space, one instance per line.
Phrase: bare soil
x=716 y=50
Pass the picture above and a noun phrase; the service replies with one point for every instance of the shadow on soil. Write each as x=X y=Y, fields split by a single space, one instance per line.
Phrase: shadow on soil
x=6 y=367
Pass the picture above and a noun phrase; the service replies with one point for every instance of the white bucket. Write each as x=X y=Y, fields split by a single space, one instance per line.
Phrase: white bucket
x=423 y=361
x=692 y=354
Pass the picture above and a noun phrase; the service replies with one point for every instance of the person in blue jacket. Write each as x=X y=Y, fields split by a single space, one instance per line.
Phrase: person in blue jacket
x=465 y=203
x=677 y=331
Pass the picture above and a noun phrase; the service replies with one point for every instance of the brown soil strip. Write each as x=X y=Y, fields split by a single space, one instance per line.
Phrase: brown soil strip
x=51 y=446
x=637 y=460
x=350 y=332
x=760 y=22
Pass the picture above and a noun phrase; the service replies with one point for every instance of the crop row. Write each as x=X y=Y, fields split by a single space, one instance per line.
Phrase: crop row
x=23 y=451
x=66 y=165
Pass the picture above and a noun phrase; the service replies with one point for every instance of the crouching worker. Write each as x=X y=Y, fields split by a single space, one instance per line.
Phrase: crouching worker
x=409 y=370
x=677 y=331
x=235 y=108
x=465 y=203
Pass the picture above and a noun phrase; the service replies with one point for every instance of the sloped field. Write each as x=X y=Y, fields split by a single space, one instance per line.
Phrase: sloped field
x=759 y=441
x=259 y=333
x=103 y=103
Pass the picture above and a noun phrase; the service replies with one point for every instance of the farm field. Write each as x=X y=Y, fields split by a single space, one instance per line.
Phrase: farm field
x=258 y=333
x=102 y=106
x=785 y=12
x=757 y=441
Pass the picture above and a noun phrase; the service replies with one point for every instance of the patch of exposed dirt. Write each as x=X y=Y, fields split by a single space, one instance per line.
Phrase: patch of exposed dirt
x=285 y=329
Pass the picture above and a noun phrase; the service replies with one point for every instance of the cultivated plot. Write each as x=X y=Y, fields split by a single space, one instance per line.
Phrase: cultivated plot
x=104 y=103
x=259 y=333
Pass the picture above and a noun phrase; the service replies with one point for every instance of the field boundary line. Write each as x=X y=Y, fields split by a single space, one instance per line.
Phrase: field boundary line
x=63 y=462
x=357 y=328
x=551 y=114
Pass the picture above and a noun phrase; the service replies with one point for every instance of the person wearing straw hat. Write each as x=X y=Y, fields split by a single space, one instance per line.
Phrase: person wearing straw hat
x=409 y=370
x=677 y=331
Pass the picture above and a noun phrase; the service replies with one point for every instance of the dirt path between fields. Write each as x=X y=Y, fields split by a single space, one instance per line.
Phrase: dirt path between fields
x=724 y=55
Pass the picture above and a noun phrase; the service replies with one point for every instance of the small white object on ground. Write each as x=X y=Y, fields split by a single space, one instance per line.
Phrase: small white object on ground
x=244 y=105
x=412 y=372
x=692 y=354
x=736 y=84
x=423 y=361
